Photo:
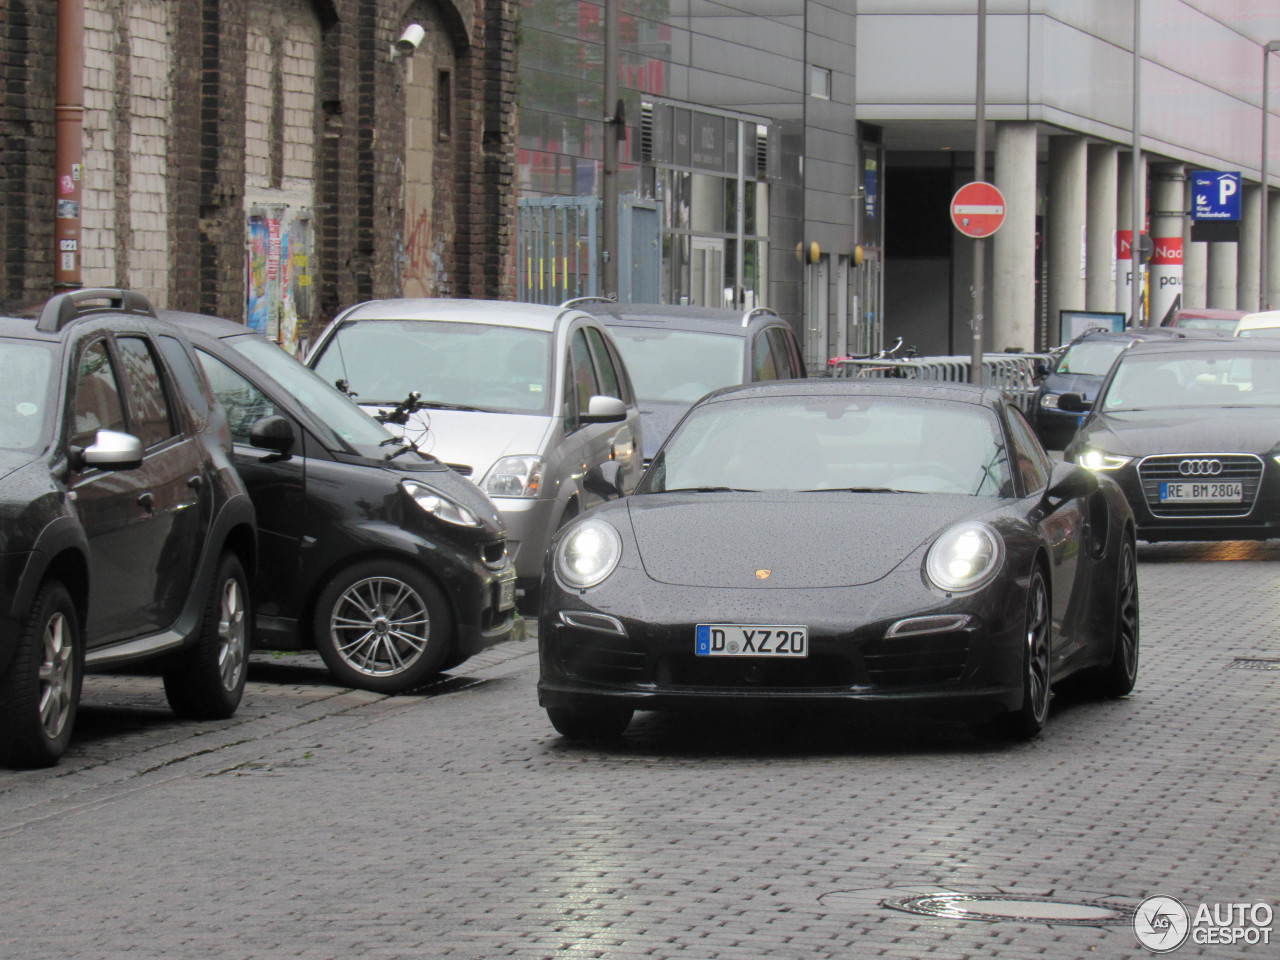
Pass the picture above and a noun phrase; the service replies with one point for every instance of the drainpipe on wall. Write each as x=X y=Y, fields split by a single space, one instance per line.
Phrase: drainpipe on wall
x=68 y=143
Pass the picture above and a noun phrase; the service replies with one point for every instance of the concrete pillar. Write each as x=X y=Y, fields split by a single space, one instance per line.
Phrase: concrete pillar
x=1250 y=248
x=1065 y=227
x=1013 y=296
x=1222 y=276
x=1168 y=190
x=1272 y=300
x=1124 y=227
x=1195 y=260
x=1100 y=279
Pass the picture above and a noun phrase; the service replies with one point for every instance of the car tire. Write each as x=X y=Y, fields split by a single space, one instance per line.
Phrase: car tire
x=1037 y=661
x=207 y=680
x=1118 y=677
x=40 y=692
x=590 y=722
x=356 y=620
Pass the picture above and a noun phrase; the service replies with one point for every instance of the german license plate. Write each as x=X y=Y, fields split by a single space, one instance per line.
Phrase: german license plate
x=507 y=593
x=750 y=640
x=1202 y=492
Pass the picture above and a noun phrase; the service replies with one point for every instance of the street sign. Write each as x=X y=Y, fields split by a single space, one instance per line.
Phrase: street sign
x=1215 y=195
x=977 y=209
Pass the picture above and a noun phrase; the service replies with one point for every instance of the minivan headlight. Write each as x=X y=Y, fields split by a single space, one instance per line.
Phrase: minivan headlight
x=440 y=506
x=514 y=477
x=588 y=554
x=1049 y=401
x=965 y=557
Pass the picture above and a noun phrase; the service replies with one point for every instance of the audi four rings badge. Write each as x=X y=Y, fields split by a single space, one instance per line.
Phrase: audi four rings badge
x=1200 y=468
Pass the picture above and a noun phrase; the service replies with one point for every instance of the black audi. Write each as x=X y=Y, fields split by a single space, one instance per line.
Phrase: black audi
x=835 y=540
x=1190 y=430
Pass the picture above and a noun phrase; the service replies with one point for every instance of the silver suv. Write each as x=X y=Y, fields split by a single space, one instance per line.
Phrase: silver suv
x=524 y=399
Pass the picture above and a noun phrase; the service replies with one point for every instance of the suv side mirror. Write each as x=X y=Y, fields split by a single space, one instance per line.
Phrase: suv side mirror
x=110 y=450
x=1073 y=403
x=604 y=480
x=602 y=409
x=1039 y=371
x=272 y=433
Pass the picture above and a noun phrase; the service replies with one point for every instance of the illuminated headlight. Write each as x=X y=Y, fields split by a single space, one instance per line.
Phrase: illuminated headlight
x=588 y=554
x=440 y=506
x=514 y=477
x=1097 y=460
x=1049 y=401
x=964 y=558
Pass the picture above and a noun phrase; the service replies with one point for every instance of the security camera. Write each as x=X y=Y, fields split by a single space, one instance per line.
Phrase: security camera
x=410 y=40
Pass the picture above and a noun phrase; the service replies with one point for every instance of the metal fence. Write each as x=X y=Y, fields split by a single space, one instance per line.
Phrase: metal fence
x=1014 y=373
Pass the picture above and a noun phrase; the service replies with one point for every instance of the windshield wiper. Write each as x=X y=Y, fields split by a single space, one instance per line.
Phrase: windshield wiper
x=709 y=490
x=858 y=490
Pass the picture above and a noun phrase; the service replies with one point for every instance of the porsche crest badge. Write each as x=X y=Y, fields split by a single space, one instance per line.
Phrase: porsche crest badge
x=763 y=574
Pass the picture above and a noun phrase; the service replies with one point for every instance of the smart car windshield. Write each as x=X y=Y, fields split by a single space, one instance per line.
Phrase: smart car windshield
x=1090 y=357
x=862 y=443
x=679 y=366
x=1194 y=379
x=466 y=365
x=26 y=392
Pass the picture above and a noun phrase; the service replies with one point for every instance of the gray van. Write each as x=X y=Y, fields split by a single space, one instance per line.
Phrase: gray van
x=522 y=398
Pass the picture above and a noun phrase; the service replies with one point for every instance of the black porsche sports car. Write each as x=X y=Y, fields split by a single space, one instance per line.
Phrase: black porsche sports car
x=1190 y=430
x=836 y=540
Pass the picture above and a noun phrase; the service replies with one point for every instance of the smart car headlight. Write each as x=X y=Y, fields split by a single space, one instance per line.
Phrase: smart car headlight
x=1098 y=460
x=965 y=557
x=588 y=554
x=514 y=477
x=440 y=506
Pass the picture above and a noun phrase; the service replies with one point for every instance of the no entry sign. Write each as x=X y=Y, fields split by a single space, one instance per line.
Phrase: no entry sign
x=977 y=209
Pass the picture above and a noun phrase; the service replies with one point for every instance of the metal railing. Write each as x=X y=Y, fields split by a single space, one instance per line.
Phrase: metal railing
x=1014 y=373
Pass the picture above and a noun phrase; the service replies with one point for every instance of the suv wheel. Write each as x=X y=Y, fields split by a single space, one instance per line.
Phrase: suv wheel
x=206 y=683
x=382 y=625
x=41 y=690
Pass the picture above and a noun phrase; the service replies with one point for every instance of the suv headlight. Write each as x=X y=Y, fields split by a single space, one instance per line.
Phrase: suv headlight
x=1097 y=460
x=965 y=557
x=514 y=477
x=440 y=506
x=588 y=553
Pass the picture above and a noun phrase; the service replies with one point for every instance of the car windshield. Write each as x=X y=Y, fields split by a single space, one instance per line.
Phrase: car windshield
x=348 y=426
x=1090 y=357
x=1264 y=332
x=851 y=443
x=1193 y=379
x=1206 y=323
x=452 y=364
x=26 y=393
x=679 y=366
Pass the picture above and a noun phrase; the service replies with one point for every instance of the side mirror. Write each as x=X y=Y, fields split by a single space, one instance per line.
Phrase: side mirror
x=604 y=480
x=1073 y=403
x=1039 y=371
x=602 y=409
x=273 y=433
x=1070 y=481
x=110 y=450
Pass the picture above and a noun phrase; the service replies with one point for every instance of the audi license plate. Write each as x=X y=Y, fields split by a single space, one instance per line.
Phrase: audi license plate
x=1202 y=492
x=748 y=640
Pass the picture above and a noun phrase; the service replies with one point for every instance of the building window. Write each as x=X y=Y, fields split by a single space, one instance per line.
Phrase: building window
x=820 y=83
x=444 y=105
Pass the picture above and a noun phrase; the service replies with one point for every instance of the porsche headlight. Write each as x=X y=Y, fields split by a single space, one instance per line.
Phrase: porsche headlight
x=964 y=558
x=1097 y=460
x=514 y=477
x=440 y=506
x=588 y=553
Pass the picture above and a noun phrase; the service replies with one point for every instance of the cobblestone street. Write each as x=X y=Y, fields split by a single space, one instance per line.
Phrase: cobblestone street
x=322 y=822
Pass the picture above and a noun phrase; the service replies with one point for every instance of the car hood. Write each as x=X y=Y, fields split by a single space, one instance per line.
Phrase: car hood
x=475 y=441
x=1085 y=384
x=805 y=540
x=453 y=485
x=657 y=420
x=11 y=460
x=1212 y=430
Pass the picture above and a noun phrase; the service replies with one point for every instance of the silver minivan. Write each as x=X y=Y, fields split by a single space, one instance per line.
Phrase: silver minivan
x=522 y=398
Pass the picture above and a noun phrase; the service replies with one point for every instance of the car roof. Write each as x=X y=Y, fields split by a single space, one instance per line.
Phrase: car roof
x=508 y=313
x=1226 y=345
x=48 y=320
x=1259 y=321
x=680 y=317
x=203 y=323
x=843 y=387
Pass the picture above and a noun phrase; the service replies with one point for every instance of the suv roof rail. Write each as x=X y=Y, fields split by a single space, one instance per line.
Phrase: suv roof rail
x=574 y=301
x=746 y=317
x=65 y=307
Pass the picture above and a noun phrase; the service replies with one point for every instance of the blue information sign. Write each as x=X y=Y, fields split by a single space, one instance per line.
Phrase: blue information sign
x=1215 y=195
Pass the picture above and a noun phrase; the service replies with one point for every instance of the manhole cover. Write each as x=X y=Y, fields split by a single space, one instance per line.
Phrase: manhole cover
x=1255 y=663
x=995 y=907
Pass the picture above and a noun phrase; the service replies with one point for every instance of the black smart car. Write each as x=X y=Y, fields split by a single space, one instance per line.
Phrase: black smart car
x=126 y=535
x=388 y=562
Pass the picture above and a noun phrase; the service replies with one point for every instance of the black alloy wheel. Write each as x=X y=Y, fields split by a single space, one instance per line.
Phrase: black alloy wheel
x=40 y=692
x=1029 y=719
x=1118 y=677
